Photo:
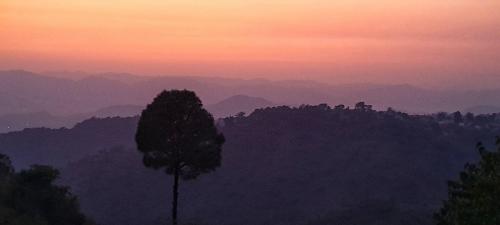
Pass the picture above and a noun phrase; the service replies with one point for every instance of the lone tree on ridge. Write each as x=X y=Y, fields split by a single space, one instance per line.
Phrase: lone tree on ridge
x=177 y=135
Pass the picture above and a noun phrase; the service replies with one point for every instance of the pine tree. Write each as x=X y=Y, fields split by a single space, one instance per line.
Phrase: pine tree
x=176 y=134
x=475 y=198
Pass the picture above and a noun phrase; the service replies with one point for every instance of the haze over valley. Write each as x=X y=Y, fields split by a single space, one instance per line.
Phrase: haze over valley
x=33 y=100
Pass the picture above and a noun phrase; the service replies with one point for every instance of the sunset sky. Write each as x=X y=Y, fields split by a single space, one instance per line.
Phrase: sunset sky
x=411 y=41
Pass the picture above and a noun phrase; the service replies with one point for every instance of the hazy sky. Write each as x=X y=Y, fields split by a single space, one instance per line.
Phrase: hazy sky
x=411 y=41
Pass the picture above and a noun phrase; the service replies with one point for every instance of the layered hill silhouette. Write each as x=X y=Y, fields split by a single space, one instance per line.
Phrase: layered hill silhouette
x=19 y=121
x=281 y=165
x=28 y=92
x=236 y=104
x=483 y=109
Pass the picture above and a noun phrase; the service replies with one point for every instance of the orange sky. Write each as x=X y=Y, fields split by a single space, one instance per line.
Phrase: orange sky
x=350 y=41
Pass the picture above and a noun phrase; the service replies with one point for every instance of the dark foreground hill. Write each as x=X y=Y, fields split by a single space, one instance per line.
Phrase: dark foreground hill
x=307 y=165
x=57 y=147
x=20 y=121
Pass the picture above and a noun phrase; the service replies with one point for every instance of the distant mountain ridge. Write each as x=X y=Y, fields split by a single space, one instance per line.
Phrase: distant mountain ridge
x=20 y=121
x=483 y=109
x=28 y=92
x=236 y=104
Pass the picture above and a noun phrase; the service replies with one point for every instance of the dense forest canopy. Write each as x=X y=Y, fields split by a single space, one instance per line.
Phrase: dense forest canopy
x=30 y=197
x=475 y=197
x=281 y=165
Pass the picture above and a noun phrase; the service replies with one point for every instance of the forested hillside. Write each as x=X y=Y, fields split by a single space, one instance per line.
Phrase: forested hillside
x=280 y=165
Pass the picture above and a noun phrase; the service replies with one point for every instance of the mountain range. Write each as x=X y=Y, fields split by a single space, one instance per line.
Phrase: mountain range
x=29 y=92
x=19 y=121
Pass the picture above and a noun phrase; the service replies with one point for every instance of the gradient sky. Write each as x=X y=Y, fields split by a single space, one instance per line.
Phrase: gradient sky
x=413 y=41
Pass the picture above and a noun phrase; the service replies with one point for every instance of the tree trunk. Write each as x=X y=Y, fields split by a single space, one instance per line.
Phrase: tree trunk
x=176 y=195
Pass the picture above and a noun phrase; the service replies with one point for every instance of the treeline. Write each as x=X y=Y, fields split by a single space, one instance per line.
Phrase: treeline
x=280 y=165
x=31 y=197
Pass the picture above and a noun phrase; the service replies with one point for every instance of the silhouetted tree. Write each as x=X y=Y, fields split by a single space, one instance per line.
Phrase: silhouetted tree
x=475 y=198
x=457 y=117
x=240 y=115
x=469 y=117
x=30 y=197
x=176 y=134
x=323 y=107
x=441 y=116
x=339 y=107
x=361 y=106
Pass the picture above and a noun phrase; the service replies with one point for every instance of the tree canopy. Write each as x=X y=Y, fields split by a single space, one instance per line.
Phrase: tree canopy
x=30 y=197
x=475 y=198
x=177 y=134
